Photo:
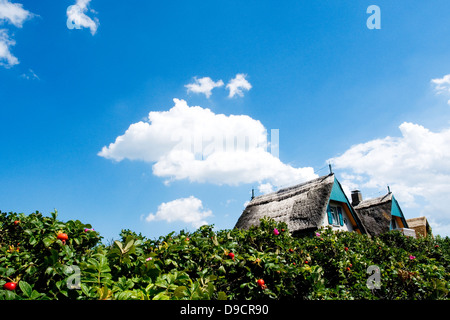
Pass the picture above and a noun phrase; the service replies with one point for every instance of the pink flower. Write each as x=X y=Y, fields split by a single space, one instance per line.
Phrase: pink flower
x=276 y=232
x=412 y=257
x=317 y=234
x=148 y=259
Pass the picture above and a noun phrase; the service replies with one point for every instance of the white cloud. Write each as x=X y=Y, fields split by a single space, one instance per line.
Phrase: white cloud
x=13 y=13
x=265 y=188
x=203 y=85
x=238 y=84
x=189 y=210
x=416 y=166
x=7 y=59
x=196 y=144
x=77 y=18
x=30 y=75
x=442 y=85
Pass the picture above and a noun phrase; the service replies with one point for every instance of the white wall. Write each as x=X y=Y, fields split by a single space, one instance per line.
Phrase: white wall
x=347 y=224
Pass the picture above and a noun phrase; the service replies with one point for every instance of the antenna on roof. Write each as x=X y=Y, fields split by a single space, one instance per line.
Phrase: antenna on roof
x=253 y=194
x=329 y=166
x=389 y=189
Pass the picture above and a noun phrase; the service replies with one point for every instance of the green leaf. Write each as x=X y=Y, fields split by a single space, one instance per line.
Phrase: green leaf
x=35 y=295
x=222 y=296
x=161 y=296
x=48 y=241
x=26 y=288
x=9 y=271
x=173 y=287
x=180 y=292
x=85 y=290
x=128 y=246
x=9 y=295
x=161 y=283
x=119 y=245
x=125 y=295
x=169 y=261
x=211 y=288
x=59 y=283
x=102 y=263
x=222 y=269
x=32 y=241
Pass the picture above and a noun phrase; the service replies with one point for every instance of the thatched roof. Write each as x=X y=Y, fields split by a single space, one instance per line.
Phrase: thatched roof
x=415 y=222
x=421 y=225
x=301 y=207
x=376 y=214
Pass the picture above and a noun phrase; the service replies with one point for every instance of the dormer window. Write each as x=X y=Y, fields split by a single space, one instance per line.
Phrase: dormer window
x=335 y=215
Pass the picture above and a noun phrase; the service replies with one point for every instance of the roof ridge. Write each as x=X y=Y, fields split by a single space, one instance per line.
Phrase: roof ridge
x=303 y=183
x=269 y=196
x=374 y=201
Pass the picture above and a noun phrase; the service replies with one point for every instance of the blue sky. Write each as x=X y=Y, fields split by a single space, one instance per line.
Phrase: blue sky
x=373 y=102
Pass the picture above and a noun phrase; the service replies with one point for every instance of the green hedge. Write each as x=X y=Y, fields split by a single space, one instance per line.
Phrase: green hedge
x=197 y=265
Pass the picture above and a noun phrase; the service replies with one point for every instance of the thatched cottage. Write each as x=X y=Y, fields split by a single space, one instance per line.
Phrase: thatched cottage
x=305 y=207
x=420 y=225
x=381 y=214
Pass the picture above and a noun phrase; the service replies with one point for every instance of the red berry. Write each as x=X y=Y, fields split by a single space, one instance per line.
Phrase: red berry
x=348 y=269
x=346 y=249
x=306 y=261
x=16 y=222
x=282 y=230
x=11 y=286
x=231 y=255
x=291 y=250
x=63 y=236
x=260 y=282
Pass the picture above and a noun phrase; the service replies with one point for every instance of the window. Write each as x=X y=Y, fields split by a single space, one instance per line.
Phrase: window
x=335 y=216
x=393 y=225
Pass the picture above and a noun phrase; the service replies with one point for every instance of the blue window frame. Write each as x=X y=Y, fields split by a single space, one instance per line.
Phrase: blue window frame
x=335 y=215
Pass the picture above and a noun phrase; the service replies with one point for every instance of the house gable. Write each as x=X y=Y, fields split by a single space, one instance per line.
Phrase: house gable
x=342 y=220
x=301 y=207
x=397 y=212
x=304 y=207
x=337 y=195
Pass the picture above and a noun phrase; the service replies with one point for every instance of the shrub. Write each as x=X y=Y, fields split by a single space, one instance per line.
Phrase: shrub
x=198 y=265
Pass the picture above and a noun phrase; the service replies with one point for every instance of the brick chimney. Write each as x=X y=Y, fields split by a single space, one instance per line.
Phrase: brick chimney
x=356 y=197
